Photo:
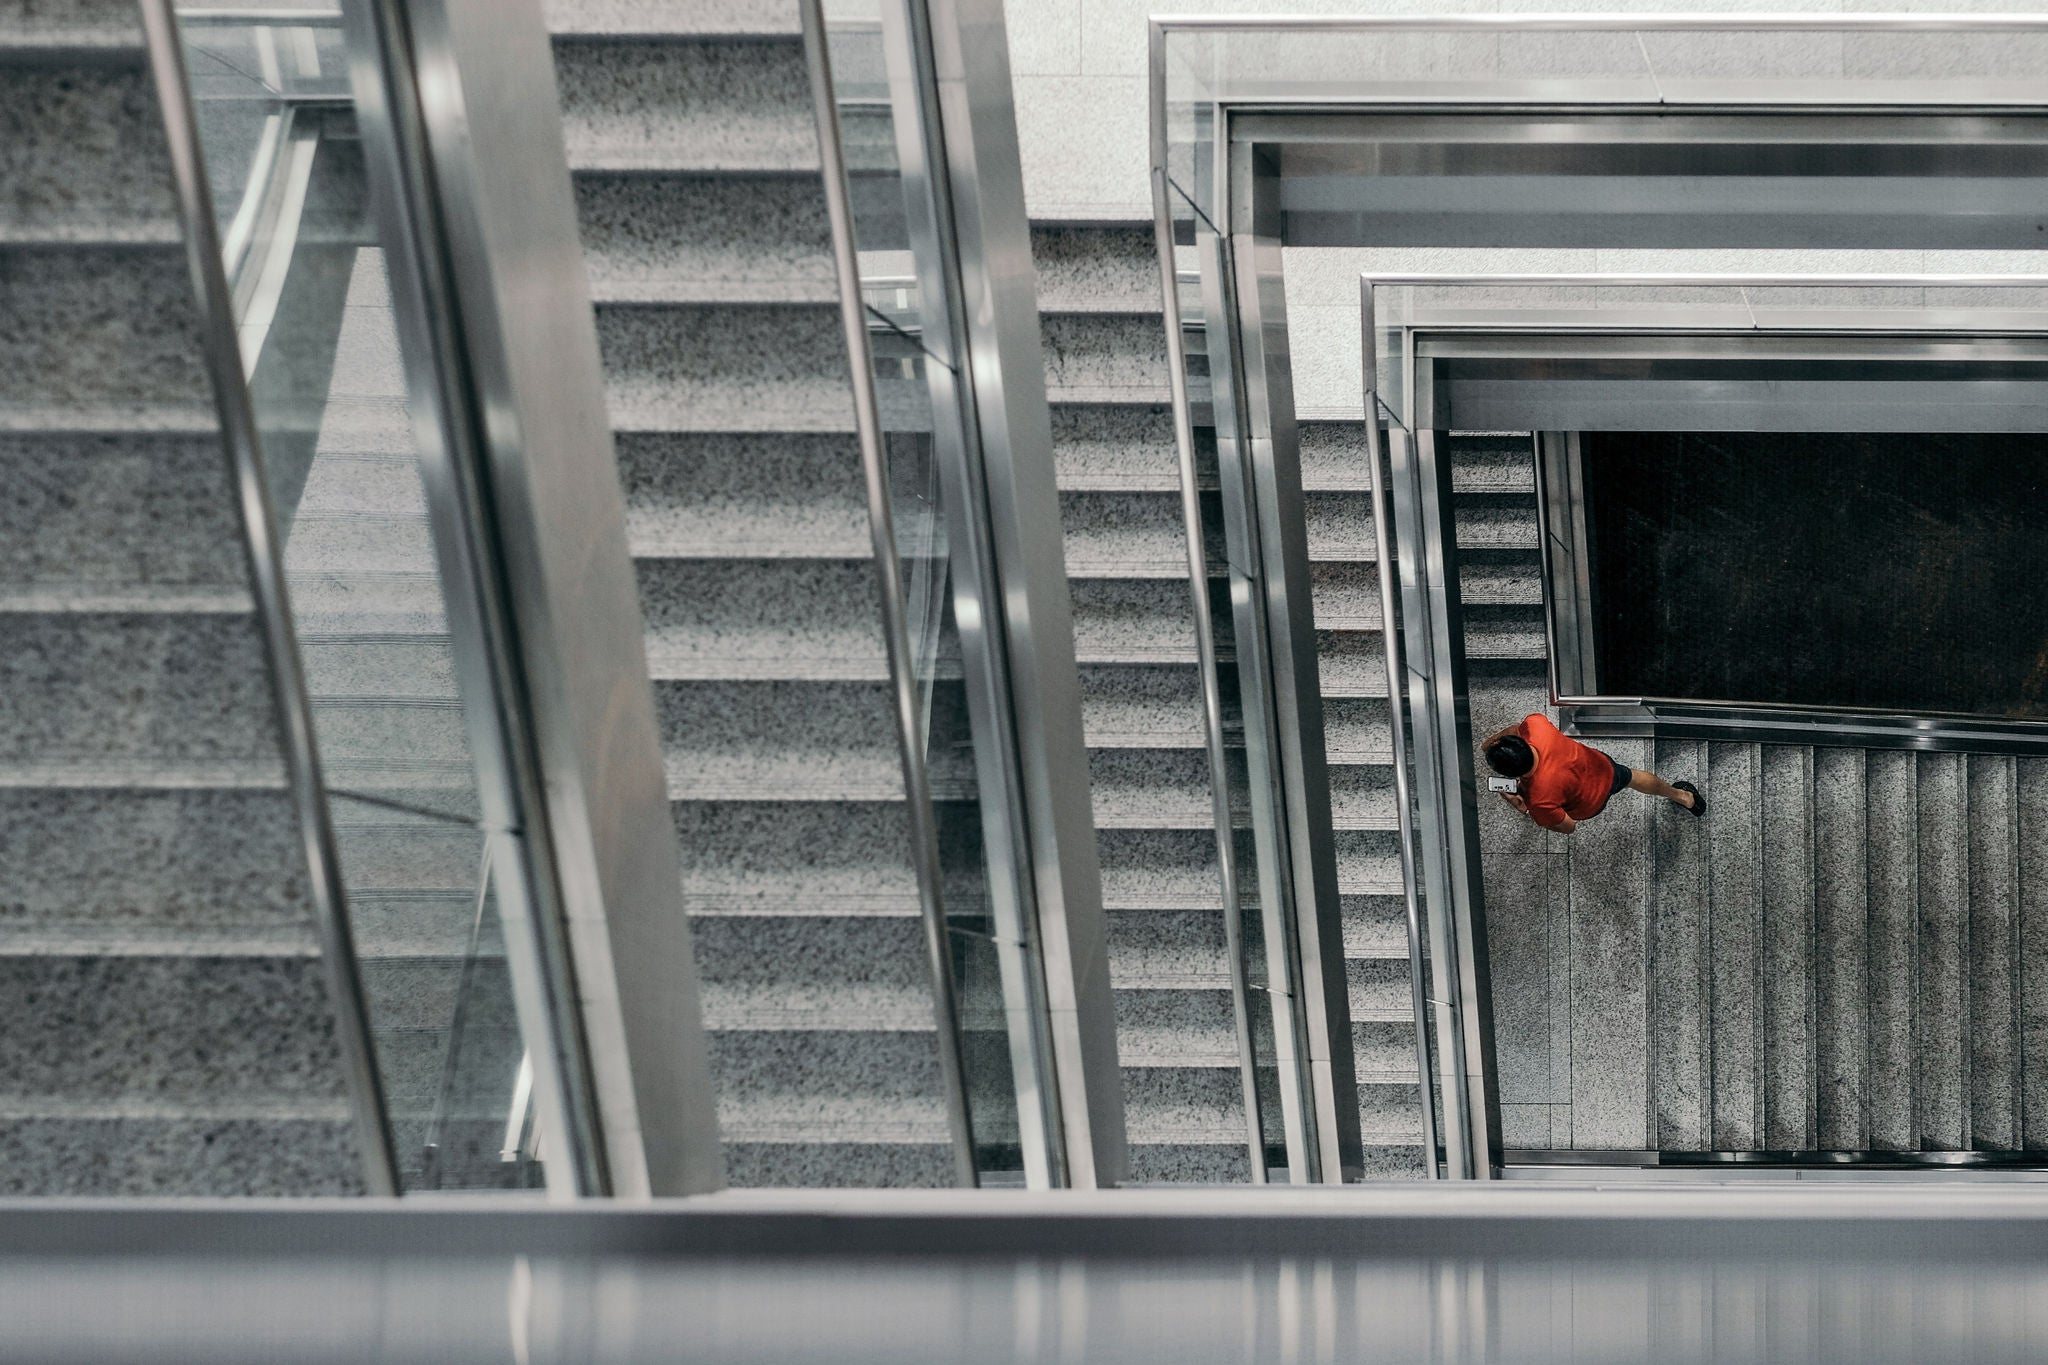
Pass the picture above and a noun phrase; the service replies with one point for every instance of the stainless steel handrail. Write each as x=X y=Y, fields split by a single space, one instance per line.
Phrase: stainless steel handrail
x=889 y=573
x=1205 y=643
x=264 y=545
x=1397 y=734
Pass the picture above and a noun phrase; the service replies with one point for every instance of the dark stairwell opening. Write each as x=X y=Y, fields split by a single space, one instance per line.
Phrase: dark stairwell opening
x=1871 y=570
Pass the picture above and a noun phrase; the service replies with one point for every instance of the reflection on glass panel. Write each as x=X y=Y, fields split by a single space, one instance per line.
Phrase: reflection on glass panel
x=328 y=388
x=1266 y=1077
x=320 y=348
x=911 y=377
x=1241 y=909
x=262 y=81
x=985 y=1047
x=432 y=954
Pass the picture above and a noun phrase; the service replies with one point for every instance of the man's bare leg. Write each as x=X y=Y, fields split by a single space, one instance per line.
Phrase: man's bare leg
x=1649 y=784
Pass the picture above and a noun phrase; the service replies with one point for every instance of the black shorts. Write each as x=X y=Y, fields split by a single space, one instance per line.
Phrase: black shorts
x=1621 y=774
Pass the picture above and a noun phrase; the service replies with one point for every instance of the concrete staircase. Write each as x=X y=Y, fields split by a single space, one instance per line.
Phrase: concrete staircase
x=1494 y=488
x=166 y=1027
x=1098 y=287
x=1839 y=958
x=690 y=133
x=692 y=141
x=1836 y=959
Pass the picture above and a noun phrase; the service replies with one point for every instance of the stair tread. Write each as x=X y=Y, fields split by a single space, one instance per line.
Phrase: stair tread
x=135 y=773
x=127 y=599
x=212 y=1108
x=89 y=940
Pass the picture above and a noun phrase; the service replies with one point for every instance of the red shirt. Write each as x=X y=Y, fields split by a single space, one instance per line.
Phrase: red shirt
x=1569 y=779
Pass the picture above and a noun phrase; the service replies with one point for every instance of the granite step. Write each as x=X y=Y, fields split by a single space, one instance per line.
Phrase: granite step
x=666 y=102
x=110 y=513
x=726 y=368
x=2030 y=783
x=185 y=1028
x=1891 y=782
x=152 y=1150
x=173 y=685
x=1992 y=963
x=1116 y=448
x=1941 y=1000
x=89 y=152
x=69 y=349
x=731 y=19
x=796 y=740
x=1787 y=893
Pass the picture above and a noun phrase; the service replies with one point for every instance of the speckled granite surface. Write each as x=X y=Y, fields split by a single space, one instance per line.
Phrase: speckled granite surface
x=168 y=1029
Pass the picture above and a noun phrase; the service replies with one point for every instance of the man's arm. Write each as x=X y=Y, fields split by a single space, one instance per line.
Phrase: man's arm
x=1547 y=816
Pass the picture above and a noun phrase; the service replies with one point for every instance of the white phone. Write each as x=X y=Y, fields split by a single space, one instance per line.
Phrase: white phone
x=1503 y=784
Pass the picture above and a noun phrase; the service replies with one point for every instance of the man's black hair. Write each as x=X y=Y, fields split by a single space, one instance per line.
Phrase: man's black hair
x=1510 y=756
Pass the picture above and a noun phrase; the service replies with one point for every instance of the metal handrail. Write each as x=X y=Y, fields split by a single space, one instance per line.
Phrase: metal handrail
x=889 y=573
x=264 y=545
x=1205 y=644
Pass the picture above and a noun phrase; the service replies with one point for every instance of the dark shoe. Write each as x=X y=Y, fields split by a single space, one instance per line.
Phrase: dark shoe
x=1699 y=803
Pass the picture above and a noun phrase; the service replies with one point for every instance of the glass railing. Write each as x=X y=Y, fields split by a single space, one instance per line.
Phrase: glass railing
x=328 y=393
x=985 y=965
x=261 y=81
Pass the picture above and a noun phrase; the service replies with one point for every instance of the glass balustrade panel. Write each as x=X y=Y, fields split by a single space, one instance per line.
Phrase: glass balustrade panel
x=328 y=386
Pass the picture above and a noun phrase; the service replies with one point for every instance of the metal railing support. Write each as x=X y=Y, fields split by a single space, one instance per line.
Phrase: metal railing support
x=1270 y=445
